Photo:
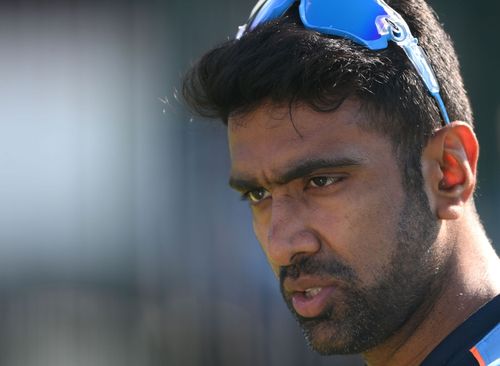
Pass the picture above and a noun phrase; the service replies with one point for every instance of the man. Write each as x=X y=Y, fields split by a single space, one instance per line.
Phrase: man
x=360 y=176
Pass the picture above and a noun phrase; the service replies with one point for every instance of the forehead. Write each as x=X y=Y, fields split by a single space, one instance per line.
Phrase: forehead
x=272 y=137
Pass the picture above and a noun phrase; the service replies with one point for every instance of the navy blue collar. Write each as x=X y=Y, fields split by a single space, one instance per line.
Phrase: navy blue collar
x=454 y=349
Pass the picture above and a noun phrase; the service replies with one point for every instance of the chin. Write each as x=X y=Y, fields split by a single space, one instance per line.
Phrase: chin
x=327 y=338
x=333 y=337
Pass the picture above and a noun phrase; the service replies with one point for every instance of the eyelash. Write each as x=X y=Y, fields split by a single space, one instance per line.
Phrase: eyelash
x=336 y=179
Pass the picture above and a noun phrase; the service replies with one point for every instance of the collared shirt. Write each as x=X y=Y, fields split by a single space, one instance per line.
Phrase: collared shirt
x=476 y=342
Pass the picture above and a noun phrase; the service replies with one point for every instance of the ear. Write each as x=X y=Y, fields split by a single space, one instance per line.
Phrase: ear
x=449 y=165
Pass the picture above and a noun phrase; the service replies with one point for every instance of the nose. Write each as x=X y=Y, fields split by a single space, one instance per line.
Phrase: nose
x=289 y=232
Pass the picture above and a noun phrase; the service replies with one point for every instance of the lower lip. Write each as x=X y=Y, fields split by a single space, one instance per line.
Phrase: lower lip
x=310 y=307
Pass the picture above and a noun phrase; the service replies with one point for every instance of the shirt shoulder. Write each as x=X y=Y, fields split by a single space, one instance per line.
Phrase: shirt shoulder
x=487 y=351
x=476 y=342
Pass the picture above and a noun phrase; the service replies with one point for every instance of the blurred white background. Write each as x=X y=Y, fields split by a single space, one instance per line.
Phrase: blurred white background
x=120 y=243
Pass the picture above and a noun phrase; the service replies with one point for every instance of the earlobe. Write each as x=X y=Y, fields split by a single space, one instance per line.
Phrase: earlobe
x=449 y=166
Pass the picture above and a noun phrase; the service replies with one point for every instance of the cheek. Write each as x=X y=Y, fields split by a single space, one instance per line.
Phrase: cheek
x=361 y=230
x=260 y=224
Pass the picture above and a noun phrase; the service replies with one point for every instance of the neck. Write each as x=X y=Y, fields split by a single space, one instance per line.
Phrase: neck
x=472 y=279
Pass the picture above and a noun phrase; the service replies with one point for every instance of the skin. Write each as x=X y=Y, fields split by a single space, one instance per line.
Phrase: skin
x=330 y=211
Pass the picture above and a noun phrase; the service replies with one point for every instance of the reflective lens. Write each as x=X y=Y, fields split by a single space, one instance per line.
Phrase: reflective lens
x=353 y=19
x=371 y=23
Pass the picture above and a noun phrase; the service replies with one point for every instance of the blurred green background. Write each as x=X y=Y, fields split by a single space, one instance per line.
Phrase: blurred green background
x=120 y=243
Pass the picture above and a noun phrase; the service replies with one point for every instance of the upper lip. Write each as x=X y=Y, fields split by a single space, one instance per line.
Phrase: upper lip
x=304 y=283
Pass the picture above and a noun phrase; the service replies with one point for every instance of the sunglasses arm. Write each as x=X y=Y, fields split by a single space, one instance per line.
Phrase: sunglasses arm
x=399 y=32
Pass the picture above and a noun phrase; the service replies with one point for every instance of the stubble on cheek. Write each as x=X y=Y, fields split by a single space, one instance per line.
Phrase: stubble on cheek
x=332 y=331
x=345 y=327
x=394 y=285
x=370 y=231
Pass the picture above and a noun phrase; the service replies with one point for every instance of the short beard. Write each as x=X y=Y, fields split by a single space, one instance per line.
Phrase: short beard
x=368 y=316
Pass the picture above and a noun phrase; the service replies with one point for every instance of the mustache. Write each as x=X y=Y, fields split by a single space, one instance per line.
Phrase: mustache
x=316 y=267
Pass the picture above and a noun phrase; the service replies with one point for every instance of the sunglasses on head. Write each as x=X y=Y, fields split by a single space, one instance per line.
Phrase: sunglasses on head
x=371 y=23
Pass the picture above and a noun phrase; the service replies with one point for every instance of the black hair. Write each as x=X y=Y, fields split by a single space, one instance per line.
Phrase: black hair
x=282 y=63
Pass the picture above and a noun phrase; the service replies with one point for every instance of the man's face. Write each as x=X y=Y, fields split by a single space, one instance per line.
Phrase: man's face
x=353 y=250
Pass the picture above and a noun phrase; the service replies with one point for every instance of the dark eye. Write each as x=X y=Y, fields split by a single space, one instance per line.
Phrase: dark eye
x=323 y=181
x=257 y=195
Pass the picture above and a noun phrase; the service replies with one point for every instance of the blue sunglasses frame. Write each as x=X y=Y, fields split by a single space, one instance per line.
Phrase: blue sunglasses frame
x=371 y=23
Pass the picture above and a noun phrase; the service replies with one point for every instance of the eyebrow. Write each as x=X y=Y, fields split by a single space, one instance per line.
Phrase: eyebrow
x=298 y=170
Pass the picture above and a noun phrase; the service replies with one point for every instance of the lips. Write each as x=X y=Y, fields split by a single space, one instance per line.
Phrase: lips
x=313 y=301
x=310 y=295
